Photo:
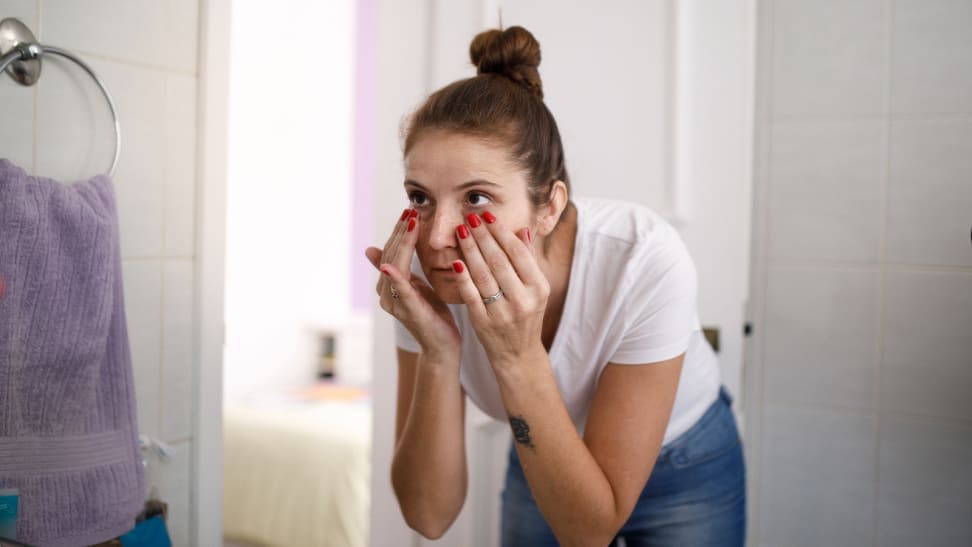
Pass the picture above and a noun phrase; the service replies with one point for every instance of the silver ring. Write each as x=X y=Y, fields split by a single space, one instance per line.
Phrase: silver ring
x=494 y=298
x=394 y=292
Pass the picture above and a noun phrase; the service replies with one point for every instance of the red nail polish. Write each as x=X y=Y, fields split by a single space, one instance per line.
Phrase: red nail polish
x=473 y=220
x=404 y=215
x=413 y=213
x=529 y=237
x=463 y=231
x=411 y=224
x=385 y=271
x=457 y=267
x=488 y=217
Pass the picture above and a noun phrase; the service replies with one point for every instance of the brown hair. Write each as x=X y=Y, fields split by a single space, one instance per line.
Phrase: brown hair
x=503 y=103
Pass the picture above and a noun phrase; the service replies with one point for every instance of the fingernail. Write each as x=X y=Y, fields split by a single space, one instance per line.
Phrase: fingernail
x=488 y=217
x=473 y=220
x=457 y=267
x=385 y=271
x=411 y=224
x=529 y=237
x=404 y=215
x=413 y=213
x=463 y=231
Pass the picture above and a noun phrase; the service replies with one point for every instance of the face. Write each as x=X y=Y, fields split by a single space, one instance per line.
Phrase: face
x=449 y=176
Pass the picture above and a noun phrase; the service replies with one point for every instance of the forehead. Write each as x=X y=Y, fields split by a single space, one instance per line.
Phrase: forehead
x=442 y=157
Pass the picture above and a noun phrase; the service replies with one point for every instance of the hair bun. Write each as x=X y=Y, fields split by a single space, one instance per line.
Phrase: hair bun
x=513 y=52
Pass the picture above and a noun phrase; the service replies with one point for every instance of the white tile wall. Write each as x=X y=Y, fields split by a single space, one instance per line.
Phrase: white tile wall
x=932 y=63
x=829 y=58
x=17 y=107
x=819 y=474
x=827 y=190
x=925 y=480
x=815 y=358
x=930 y=192
x=146 y=52
x=860 y=364
x=927 y=364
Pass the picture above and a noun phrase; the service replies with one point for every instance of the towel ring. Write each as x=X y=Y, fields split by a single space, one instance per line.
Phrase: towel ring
x=20 y=57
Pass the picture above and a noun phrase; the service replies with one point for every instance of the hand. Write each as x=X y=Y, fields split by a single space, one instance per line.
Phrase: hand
x=417 y=306
x=496 y=259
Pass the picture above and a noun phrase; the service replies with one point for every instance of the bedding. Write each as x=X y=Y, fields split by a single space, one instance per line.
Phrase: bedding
x=297 y=469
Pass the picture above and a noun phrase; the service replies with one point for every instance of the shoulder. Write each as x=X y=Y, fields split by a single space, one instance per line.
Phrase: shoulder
x=638 y=232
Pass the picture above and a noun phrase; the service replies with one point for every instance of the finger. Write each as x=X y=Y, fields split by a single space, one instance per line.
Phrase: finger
x=496 y=257
x=406 y=244
x=390 y=252
x=407 y=294
x=519 y=250
x=374 y=256
x=469 y=292
x=478 y=269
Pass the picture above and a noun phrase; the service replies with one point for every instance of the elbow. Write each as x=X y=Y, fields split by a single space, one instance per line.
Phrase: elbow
x=425 y=511
x=429 y=528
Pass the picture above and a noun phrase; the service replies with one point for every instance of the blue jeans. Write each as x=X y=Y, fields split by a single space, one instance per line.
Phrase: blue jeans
x=695 y=496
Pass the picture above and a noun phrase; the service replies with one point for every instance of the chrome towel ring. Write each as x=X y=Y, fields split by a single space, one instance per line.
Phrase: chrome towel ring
x=20 y=57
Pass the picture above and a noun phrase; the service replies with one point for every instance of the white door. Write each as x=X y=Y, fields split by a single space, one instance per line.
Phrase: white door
x=653 y=99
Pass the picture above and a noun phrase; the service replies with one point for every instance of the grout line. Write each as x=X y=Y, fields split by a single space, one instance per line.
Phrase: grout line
x=959 y=116
x=880 y=265
x=36 y=93
x=85 y=54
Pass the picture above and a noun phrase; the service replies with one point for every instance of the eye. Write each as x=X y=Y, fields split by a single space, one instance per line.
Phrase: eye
x=417 y=198
x=477 y=199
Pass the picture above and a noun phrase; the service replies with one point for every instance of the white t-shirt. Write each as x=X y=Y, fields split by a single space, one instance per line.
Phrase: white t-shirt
x=631 y=300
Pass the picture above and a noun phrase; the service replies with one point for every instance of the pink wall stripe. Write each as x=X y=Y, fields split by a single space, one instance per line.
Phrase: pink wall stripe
x=362 y=273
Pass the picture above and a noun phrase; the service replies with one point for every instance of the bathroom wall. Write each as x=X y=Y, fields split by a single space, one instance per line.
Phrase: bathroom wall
x=858 y=373
x=146 y=52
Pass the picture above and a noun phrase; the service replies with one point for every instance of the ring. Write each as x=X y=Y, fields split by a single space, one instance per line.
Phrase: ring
x=494 y=298
x=394 y=292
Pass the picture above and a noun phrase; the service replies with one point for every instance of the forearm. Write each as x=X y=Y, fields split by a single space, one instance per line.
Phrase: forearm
x=429 y=463
x=567 y=483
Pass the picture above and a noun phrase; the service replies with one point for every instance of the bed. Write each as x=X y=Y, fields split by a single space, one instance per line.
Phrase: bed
x=296 y=469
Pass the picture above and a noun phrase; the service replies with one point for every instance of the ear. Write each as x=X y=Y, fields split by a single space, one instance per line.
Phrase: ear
x=549 y=214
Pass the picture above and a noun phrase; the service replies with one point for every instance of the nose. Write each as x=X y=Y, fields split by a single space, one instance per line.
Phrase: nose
x=442 y=225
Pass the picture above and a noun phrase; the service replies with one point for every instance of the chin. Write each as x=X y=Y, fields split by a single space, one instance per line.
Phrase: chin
x=447 y=292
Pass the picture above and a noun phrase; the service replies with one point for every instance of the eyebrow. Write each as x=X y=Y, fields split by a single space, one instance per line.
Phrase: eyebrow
x=463 y=186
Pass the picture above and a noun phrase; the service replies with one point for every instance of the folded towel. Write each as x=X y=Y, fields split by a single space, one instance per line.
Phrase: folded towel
x=68 y=433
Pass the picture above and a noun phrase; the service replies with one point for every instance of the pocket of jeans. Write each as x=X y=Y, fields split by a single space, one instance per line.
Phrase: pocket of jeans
x=714 y=435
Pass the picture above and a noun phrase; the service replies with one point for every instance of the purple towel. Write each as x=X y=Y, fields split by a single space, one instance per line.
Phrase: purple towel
x=68 y=433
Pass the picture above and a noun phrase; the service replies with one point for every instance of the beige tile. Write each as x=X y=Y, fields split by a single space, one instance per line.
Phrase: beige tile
x=163 y=34
x=925 y=483
x=75 y=137
x=821 y=336
x=927 y=362
x=17 y=106
x=180 y=165
x=818 y=474
x=177 y=361
x=932 y=61
x=930 y=193
x=830 y=58
x=826 y=187
x=143 y=296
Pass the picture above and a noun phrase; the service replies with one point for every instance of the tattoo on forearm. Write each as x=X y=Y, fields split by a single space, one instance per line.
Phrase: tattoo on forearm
x=521 y=431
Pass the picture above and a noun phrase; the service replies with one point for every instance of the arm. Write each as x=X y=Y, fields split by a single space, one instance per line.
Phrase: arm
x=428 y=469
x=429 y=464
x=587 y=488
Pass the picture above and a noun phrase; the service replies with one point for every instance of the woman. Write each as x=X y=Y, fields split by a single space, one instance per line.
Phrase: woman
x=574 y=320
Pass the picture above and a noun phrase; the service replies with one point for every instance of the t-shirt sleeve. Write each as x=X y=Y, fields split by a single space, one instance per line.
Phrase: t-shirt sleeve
x=660 y=309
x=404 y=339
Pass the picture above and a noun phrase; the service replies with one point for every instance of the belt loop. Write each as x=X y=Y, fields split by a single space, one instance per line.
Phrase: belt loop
x=724 y=395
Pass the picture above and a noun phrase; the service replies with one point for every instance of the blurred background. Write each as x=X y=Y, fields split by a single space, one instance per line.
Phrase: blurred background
x=816 y=156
